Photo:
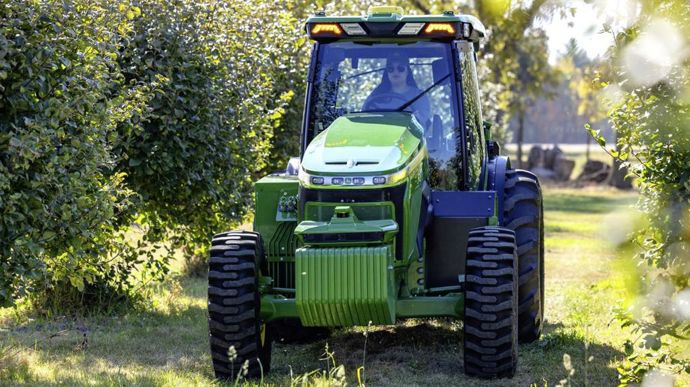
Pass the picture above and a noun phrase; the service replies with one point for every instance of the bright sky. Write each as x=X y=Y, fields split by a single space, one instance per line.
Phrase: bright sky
x=587 y=25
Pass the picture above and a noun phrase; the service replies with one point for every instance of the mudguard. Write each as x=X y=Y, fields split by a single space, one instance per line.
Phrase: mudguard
x=496 y=176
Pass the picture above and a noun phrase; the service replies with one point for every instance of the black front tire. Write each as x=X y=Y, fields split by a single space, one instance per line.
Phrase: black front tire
x=491 y=324
x=523 y=213
x=233 y=306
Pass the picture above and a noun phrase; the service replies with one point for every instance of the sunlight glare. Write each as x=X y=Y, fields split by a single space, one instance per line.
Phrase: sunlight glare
x=659 y=298
x=681 y=304
x=619 y=14
x=611 y=95
x=651 y=57
x=657 y=378
x=617 y=226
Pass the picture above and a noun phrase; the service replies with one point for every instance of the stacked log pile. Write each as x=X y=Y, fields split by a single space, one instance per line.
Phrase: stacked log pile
x=551 y=164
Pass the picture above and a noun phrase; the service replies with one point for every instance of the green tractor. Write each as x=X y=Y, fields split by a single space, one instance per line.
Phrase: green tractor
x=399 y=205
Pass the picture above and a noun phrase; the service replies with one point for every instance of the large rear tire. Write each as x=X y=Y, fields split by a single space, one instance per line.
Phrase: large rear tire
x=523 y=213
x=490 y=326
x=233 y=306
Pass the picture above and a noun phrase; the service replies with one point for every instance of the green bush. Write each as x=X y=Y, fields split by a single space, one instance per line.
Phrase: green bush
x=651 y=118
x=59 y=194
x=194 y=152
x=126 y=125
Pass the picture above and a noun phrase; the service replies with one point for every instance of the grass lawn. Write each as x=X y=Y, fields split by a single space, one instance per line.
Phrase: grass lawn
x=167 y=344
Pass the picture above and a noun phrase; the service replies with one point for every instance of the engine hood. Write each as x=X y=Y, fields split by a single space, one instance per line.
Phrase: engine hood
x=364 y=143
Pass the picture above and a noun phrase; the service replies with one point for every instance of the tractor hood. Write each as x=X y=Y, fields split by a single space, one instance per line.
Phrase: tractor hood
x=364 y=143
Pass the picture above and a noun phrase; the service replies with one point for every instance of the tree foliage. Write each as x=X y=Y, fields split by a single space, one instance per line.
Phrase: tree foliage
x=649 y=79
x=517 y=58
x=59 y=195
x=115 y=117
x=205 y=134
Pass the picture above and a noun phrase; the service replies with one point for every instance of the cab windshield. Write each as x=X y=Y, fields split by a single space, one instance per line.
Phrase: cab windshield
x=378 y=77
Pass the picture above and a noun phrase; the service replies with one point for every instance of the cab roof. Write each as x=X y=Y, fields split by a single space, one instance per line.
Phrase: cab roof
x=389 y=22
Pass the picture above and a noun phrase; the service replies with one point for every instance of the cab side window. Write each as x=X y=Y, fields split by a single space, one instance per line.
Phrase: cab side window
x=474 y=135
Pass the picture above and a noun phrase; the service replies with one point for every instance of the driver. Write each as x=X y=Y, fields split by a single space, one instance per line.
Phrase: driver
x=396 y=88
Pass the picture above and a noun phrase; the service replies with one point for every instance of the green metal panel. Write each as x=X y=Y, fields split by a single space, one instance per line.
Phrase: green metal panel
x=324 y=211
x=344 y=224
x=277 y=227
x=447 y=306
x=345 y=286
x=275 y=307
x=277 y=235
x=412 y=210
x=268 y=193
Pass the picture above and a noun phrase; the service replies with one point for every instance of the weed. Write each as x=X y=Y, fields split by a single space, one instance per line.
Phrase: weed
x=569 y=369
x=12 y=365
x=333 y=376
x=361 y=375
x=174 y=295
x=232 y=356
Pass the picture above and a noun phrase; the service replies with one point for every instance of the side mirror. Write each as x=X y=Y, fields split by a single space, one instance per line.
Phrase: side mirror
x=487 y=130
x=492 y=147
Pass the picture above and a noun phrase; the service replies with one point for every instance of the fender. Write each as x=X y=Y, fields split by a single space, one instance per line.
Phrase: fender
x=497 y=167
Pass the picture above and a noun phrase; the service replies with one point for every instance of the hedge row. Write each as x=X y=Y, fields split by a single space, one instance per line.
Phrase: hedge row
x=112 y=114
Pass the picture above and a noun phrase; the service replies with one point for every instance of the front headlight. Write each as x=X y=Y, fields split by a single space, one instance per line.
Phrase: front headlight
x=309 y=180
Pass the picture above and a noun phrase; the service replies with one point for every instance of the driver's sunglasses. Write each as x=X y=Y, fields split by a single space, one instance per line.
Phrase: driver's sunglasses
x=401 y=68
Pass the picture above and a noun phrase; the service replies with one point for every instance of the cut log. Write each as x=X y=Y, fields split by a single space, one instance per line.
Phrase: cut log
x=563 y=167
x=536 y=158
x=550 y=156
x=595 y=172
x=618 y=178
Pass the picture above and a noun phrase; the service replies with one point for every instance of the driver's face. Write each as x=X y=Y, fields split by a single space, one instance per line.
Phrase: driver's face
x=397 y=73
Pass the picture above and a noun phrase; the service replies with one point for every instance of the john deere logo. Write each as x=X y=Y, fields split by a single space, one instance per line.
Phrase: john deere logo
x=351 y=163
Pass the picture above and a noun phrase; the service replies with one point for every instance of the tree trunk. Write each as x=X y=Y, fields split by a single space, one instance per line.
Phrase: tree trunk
x=589 y=143
x=520 y=137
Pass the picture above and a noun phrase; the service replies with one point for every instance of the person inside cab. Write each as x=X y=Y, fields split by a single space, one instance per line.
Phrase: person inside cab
x=397 y=88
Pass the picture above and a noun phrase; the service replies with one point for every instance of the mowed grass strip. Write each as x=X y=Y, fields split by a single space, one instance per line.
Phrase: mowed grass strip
x=167 y=344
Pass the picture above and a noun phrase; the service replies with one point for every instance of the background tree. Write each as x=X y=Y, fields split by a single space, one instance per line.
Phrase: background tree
x=581 y=72
x=205 y=135
x=534 y=78
x=517 y=58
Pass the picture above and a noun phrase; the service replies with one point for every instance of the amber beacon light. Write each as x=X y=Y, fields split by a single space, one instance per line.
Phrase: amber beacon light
x=439 y=27
x=328 y=28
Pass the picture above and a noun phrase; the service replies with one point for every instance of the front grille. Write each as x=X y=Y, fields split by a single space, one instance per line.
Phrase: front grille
x=363 y=211
x=395 y=195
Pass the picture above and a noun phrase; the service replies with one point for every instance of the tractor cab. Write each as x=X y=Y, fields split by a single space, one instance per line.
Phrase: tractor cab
x=385 y=63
